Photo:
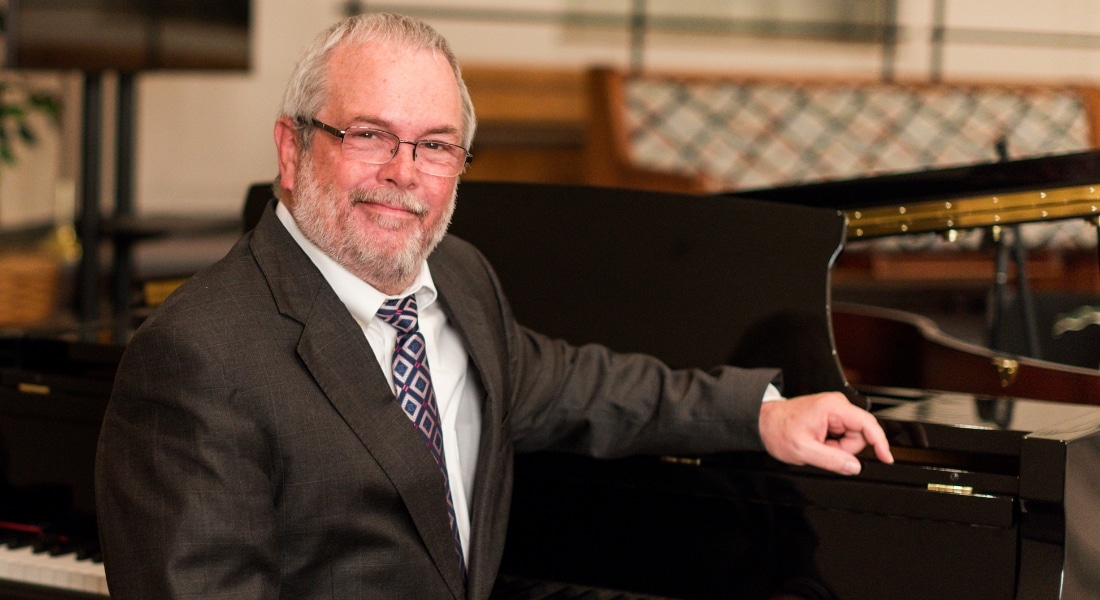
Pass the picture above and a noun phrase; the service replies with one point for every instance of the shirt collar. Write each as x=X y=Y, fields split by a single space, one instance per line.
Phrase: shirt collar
x=361 y=298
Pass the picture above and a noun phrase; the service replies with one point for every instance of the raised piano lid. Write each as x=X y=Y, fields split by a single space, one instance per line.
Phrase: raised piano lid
x=1009 y=176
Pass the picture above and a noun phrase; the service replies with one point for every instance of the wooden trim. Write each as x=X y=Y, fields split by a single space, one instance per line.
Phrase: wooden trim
x=607 y=148
x=1091 y=96
x=530 y=123
x=545 y=97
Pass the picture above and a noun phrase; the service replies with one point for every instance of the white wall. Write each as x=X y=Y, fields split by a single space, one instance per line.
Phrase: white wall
x=202 y=138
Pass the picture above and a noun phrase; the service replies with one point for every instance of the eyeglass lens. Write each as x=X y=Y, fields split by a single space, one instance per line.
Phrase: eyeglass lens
x=378 y=147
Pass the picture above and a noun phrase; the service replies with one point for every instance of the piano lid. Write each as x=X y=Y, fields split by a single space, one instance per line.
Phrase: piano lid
x=756 y=273
x=981 y=195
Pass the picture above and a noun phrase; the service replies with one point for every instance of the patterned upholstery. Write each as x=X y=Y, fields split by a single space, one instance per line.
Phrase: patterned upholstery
x=761 y=134
x=744 y=134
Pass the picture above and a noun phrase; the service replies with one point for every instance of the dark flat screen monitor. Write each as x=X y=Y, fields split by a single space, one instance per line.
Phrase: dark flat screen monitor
x=127 y=35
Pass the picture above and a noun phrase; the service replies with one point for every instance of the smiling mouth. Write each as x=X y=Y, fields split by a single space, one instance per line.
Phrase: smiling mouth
x=394 y=202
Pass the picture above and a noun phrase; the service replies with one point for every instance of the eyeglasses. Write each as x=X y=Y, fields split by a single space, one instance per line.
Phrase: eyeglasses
x=378 y=147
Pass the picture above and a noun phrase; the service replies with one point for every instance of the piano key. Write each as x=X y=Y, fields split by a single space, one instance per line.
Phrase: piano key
x=63 y=572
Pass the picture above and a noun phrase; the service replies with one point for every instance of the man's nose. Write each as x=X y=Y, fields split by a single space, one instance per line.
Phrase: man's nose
x=401 y=169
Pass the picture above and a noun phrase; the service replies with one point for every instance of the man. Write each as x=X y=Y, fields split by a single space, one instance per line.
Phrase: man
x=257 y=443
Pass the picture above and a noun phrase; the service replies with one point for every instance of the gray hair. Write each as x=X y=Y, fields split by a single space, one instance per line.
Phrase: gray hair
x=307 y=91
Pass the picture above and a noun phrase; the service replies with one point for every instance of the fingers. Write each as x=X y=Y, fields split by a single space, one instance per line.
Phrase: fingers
x=856 y=428
x=876 y=437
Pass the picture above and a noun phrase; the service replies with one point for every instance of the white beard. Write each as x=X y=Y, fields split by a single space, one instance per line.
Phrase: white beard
x=324 y=222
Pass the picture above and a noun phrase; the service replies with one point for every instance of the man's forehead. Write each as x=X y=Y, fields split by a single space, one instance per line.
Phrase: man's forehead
x=393 y=87
x=379 y=54
x=390 y=65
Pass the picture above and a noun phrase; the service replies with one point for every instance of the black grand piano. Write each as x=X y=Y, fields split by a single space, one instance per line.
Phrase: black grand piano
x=993 y=496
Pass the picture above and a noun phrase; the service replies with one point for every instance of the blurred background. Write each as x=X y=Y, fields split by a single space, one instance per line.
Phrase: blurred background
x=129 y=167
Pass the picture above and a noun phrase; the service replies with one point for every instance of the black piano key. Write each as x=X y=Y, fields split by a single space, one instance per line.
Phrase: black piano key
x=65 y=535
x=44 y=544
x=88 y=551
x=19 y=543
x=55 y=545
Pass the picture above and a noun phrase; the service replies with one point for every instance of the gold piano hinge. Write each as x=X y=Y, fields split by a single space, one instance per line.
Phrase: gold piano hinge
x=1007 y=369
x=682 y=460
x=978 y=211
x=962 y=490
x=34 y=388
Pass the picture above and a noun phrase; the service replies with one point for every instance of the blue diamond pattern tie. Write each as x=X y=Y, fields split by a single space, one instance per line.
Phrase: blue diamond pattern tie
x=415 y=394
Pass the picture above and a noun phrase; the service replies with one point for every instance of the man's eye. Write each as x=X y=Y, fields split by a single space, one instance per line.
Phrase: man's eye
x=433 y=146
x=365 y=135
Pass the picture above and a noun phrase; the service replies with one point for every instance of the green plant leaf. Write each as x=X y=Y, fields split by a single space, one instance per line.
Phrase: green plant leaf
x=47 y=104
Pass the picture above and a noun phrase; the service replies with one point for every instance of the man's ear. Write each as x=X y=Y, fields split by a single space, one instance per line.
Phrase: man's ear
x=286 y=144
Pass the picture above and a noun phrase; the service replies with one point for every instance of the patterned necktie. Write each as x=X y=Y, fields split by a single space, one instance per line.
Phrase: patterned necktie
x=415 y=394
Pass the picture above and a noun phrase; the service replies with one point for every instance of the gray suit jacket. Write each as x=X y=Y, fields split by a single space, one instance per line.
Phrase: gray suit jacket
x=252 y=447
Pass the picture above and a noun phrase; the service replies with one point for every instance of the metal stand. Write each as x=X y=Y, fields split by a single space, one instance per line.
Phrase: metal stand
x=89 y=219
x=91 y=230
x=1015 y=248
x=122 y=271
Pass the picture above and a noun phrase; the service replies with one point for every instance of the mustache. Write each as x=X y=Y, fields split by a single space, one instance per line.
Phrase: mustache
x=403 y=200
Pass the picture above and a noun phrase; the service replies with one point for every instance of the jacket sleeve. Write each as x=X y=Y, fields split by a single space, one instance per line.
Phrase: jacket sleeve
x=183 y=491
x=592 y=400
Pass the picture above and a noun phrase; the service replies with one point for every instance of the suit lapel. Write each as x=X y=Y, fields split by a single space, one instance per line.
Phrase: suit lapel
x=473 y=312
x=475 y=315
x=334 y=350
